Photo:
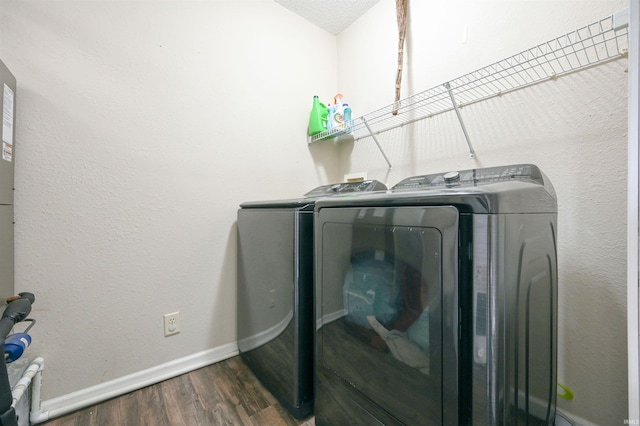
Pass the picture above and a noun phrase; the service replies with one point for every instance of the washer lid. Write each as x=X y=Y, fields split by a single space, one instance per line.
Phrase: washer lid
x=474 y=177
x=521 y=188
x=347 y=187
x=309 y=199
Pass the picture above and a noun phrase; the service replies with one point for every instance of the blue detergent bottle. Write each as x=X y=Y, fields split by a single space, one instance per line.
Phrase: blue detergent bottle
x=348 y=120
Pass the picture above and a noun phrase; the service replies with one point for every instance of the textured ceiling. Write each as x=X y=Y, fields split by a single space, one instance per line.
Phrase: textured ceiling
x=330 y=15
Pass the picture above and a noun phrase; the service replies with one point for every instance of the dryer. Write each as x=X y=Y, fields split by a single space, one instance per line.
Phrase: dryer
x=275 y=291
x=436 y=302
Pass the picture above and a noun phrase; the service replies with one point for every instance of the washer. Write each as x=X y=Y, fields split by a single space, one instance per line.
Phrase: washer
x=436 y=302
x=275 y=292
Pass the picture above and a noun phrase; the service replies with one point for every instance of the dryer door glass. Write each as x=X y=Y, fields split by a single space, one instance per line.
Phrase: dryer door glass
x=388 y=307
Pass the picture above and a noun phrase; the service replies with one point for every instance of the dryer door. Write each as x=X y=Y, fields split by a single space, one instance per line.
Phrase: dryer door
x=387 y=313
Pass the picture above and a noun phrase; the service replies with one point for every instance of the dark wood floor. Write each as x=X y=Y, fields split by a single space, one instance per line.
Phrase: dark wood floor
x=225 y=393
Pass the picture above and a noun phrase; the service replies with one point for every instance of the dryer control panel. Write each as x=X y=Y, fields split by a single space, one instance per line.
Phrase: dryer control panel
x=473 y=177
x=346 y=187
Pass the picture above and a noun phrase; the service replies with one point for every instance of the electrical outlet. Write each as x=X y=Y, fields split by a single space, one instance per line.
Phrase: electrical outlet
x=171 y=323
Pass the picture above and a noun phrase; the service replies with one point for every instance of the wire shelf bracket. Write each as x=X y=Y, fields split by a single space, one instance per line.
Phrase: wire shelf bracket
x=602 y=41
x=472 y=152
x=373 y=136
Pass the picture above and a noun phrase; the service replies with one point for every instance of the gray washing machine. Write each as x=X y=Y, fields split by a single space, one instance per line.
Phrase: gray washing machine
x=275 y=292
x=436 y=302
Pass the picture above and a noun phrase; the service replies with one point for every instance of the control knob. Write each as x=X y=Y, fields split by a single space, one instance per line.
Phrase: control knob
x=451 y=178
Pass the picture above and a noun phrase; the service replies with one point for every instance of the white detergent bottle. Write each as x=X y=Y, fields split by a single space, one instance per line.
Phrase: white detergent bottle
x=332 y=111
x=337 y=117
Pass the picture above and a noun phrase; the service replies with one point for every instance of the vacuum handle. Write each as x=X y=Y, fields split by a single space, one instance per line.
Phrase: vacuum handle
x=29 y=296
x=17 y=310
x=24 y=295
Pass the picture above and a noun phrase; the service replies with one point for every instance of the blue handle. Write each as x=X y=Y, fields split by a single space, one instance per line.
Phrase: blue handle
x=15 y=345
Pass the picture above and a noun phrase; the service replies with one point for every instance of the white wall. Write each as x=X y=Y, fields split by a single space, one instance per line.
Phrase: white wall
x=140 y=128
x=574 y=129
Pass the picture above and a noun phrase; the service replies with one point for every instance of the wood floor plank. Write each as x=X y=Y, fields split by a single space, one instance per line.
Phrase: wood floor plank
x=225 y=394
x=129 y=406
x=110 y=413
x=151 y=407
x=269 y=416
x=219 y=408
x=172 y=399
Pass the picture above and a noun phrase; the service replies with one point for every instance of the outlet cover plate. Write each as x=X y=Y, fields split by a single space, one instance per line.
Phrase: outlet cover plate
x=171 y=323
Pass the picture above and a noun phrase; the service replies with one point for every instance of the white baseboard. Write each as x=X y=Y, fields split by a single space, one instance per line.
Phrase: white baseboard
x=266 y=336
x=83 y=398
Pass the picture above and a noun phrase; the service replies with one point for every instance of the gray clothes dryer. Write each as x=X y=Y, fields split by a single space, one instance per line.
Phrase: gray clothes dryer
x=436 y=302
x=275 y=292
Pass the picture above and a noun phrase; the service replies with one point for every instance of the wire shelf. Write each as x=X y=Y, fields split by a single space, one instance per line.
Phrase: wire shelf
x=596 y=43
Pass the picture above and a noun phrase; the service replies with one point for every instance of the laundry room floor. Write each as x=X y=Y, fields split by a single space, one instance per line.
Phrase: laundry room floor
x=225 y=393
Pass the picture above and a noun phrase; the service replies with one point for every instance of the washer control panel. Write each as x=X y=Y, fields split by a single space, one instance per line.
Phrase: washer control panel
x=473 y=177
x=346 y=187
